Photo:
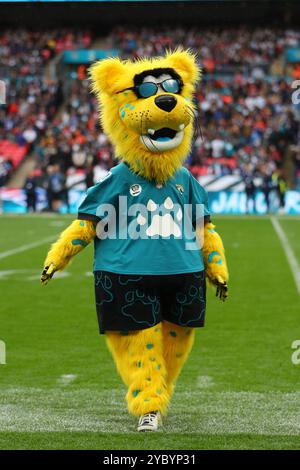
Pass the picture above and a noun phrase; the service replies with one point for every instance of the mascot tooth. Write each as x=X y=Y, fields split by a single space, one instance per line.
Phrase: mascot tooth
x=149 y=283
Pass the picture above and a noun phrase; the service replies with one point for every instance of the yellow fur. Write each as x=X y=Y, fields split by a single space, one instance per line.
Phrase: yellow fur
x=150 y=374
x=125 y=117
x=71 y=241
x=177 y=344
x=140 y=362
x=214 y=255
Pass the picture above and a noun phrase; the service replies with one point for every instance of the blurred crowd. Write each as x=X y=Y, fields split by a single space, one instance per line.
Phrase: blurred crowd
x=218 y=48
x=246 y=121
x=33 y=96
x=245 y=117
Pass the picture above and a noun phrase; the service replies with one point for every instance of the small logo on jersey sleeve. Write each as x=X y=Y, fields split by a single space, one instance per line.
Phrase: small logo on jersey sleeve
x=180 y=188
x=135 y=189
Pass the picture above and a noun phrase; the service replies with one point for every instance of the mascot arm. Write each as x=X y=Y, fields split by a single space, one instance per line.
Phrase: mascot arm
x=71 y=241
x=214 y=259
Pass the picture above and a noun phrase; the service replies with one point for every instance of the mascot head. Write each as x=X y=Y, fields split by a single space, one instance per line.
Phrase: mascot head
x=147 y=110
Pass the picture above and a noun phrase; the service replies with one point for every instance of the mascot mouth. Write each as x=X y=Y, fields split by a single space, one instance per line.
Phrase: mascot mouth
x=162 y=139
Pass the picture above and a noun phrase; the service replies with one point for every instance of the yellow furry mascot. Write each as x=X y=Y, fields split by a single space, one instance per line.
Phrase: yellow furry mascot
x=150 y=223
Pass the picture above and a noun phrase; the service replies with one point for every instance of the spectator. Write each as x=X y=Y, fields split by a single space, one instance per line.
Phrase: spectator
x=56 y=188
x=280 y=185
x=267 y=185
x=250 y=188
x=5 y=170
x=30 y=193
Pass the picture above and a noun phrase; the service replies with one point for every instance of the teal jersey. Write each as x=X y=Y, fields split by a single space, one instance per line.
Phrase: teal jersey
x=145 y=228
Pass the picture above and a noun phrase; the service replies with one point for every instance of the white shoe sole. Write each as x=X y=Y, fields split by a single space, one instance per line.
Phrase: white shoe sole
x=146 y=428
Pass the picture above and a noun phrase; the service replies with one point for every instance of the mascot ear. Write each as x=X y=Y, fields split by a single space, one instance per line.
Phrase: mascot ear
x=105 y=74
x=184 y=62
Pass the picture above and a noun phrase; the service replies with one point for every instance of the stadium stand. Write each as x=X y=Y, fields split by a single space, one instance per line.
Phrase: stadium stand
x=246 y=119
x=32 y=97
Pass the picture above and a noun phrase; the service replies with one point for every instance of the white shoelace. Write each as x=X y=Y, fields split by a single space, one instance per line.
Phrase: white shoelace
x=148 y=418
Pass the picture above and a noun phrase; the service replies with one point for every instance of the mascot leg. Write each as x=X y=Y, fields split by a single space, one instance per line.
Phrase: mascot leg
x=139 y=359
x=178 y=342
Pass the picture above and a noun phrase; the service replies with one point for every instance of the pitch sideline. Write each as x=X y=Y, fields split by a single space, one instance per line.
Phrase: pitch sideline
x=290 y=255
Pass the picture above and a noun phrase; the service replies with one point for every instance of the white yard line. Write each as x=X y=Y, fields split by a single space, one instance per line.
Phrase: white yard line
x=290 y=255
x=29 y=246
x=67 y=379
x=92 y=410
x=257 y=217
x=204 y=381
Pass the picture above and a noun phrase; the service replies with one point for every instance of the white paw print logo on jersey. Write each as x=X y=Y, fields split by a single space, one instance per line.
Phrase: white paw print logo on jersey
x=163 y=225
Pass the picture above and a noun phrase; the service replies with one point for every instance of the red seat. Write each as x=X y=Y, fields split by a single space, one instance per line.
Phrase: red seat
x=12 y=151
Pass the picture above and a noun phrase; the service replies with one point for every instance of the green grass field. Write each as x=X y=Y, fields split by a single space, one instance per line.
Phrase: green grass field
x=59 y=388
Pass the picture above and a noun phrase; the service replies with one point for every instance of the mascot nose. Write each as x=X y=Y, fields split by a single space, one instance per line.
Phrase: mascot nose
x=166 y=102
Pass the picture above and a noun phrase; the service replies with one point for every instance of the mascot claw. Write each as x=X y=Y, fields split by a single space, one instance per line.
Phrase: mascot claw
x=222 y=289
x=47 y=274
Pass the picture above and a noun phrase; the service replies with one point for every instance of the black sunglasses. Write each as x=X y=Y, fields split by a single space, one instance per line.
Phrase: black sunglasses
x=147 y=89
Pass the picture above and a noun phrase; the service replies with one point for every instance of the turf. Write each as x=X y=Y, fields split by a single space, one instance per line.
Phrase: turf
x=239 y=389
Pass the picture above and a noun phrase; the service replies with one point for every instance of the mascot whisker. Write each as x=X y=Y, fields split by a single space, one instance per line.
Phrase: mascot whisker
x=153 y=248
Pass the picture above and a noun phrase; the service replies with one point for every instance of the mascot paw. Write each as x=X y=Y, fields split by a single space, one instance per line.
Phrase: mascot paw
x=48 y=273
x=222 y=288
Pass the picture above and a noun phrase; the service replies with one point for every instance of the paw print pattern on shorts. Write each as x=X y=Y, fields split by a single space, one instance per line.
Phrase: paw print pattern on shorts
x=105 y=282
x=136 y=297
x=162 y=225
x=194 y=295
x=124 y=280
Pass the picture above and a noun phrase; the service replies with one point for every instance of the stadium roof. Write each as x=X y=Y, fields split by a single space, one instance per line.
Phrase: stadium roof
x=105 y=14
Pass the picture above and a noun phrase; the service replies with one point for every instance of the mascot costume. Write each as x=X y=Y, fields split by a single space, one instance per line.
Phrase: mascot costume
x=150 y=276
